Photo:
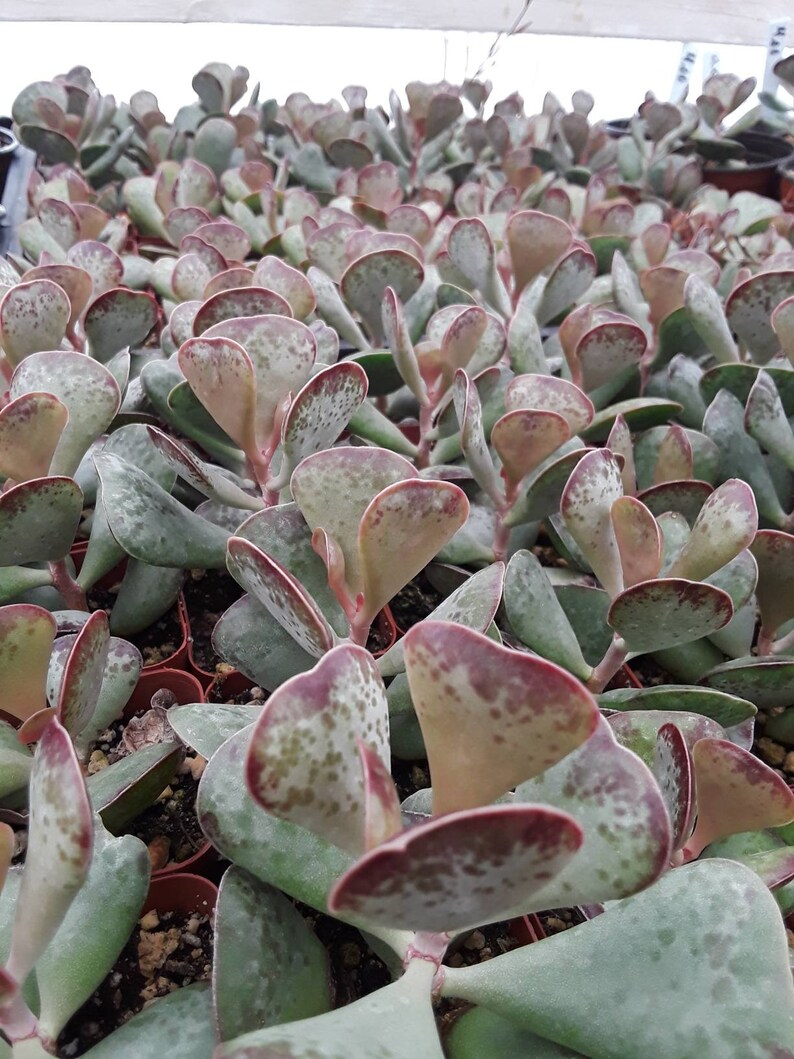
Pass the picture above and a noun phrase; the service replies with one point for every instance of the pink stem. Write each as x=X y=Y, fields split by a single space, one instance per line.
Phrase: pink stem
x=63 y=582
x=608 y=666
x=425 y=426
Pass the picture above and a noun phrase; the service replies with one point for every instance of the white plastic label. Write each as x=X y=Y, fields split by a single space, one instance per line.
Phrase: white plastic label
x=683 y=74
x=774 y=51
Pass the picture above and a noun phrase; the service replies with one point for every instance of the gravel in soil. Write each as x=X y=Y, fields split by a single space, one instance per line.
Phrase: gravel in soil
x=167 y=950
x=355 y=970
x=159 y=641
x=208 y=594
x=254 y=696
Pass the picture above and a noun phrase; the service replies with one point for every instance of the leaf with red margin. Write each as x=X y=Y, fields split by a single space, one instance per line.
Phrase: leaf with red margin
x=302 y=763
x=466 y=868
x=727 y=524
x=221 y=375
x=281 y=594
x=190 y=276
x=705 y=312
x=523 y=439
x=686 y=497
x=229 y=239
x=672 y=767
x=87 y=389
x=398 y=339
x=462 y=340
x=291 y=284
x=468 y=410
x=75 y=281
x=639 y=540
x=33 y=316
x=27 y=633
x=668 y=611
x=735 y=792
x=608 y=349
x=6 y=851
x=204 y=477
x=783 y=325
x=103 y=264
x=774 y=553
x=60 y=845
x=30 y=429
x=615 y=799
x=637 y=729
x=321 y=410
x=490 y=717
x=239 y=302
x=382 y=814
x=38 y=520
x=83 y=674
x=619 y=442
x=592 y=489
x=333 y=489
x=403 y=528
x=229 y=279
x=366 y=279
x=749 y=308
x=117 y=319
x=568 y=281
x=536 y=240
x=379 y=186
x=765 y=419
x=471 y=250
x=282 y=351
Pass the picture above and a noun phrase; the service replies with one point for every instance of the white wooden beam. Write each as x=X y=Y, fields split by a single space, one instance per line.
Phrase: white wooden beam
x=718 y=21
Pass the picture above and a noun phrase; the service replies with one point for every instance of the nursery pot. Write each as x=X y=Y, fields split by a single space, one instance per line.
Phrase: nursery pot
x=181 y=892
x=186 y=689
x=786 y=173
x=760 y=173
x=228 y=686
x=179 y=658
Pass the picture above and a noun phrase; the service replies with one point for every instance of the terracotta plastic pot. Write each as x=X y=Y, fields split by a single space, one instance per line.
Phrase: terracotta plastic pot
x=786 y=173
x=527 y=929
x=760 y=174
x=181 y=892
x=228 y=686
x=388 y=630
x=179 y=659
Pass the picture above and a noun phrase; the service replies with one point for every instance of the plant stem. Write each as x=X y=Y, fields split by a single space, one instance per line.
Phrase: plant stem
x=766 y=642
x=782 y=646
x=608 y=666
x=63 y=582
x=501 y=539
x=425 y=426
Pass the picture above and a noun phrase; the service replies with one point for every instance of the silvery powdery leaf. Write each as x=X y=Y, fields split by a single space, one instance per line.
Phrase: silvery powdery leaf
x=60 y=841
x=278 y=276
x=374 y=1025
x=221 y=375
x=249 y=638
x=607 y=350
x=151 y=525
x=87 y=389
x=735 y=792
x=30 y=429
x=76 y=282
x=33 y=316
x=765 y=419
x=638 y=538
x=321 y=410
x=462 y=869
x=83 y=674
x=240 y=302
x=523 y=439
x=592 y=489
x=204 y=477
x=571 y=278
x=536 y=616
x=749 y=308
x=398 y=339
x=183 y=1022
x=726 y=710
x=27 y=633
x=774 y=553
x=468 y=410
x=726 y=524
x=281 y=594
x=638 y=730
x=705 y=311
x=478 y=702
x=479 y=1032
x=715 y=1011
x=365 y=280
x=268 y=966
x=783 y=325
x=613 y=796
x=100 y=261
x=38 y=520
x=653 y=615
x=674 y=772
x=309 y=726
x=118 y=319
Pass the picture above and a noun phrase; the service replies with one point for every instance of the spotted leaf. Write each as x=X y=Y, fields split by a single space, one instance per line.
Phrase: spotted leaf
x=366 y=279
x=33 y=317
x=278 y=276
x=607 y=350
x=653 y=615
x=83 y=673
x=536 y=240
x=638 y=538
x=592 y=489
x=726 y=524
x=523 y=439
x=27 y=633
x=38 y=520
x=672 y=767
x=30 y=428
x=774 y=553
x=118 y=319
x=321 y=410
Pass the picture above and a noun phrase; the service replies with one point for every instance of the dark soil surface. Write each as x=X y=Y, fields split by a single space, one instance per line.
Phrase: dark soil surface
x=409 y=776
x=414 y=603
x=159 y=641
x=208 y=593
x=247 y=697
x=354 y=968
x=165 y=952
x=380 y=637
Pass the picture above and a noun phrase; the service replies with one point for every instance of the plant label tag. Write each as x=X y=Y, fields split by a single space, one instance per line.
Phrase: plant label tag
x=776 y=42
x=711 y=64
x=683 y=74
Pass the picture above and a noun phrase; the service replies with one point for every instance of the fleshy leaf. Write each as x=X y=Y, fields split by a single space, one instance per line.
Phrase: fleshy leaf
x=523 y=439
x=726 y=524
x=382 y=815
x=536 y=617
x=249 y=638
x=278 y=276
x=672 y=767
x=87 y=389
x=281 y=594
x=714 y=1013
x=536 y=240
x=83 y=674
x=638 y=730
x=303 y=761
x=322 y=410
x=462 y=869
x=547 y=393
x=638 y=538
x=749 y=309
x=490 y=717
x=151 y=525
x=27 y=633
x=239 y=302
x=653 y=615
x=366 y=279
x=268 y=966
x=774 y=553
x=726 y=710
x=616 y=801
x=402 y=529
x=735 y=792
x=478 y=1032
x=221 y=375
x=475 y=448
x=587 y=500
x=60 y=842
x=118 y=319
x=38 y=520
x=607 y=350
x=706 y=314
x=30 y=428
x=765 y=419
x=33 y=316
x=180 y=1023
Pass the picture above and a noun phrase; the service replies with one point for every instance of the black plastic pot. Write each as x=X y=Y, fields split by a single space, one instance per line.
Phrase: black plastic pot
x=16 y=163
x=760 y=171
